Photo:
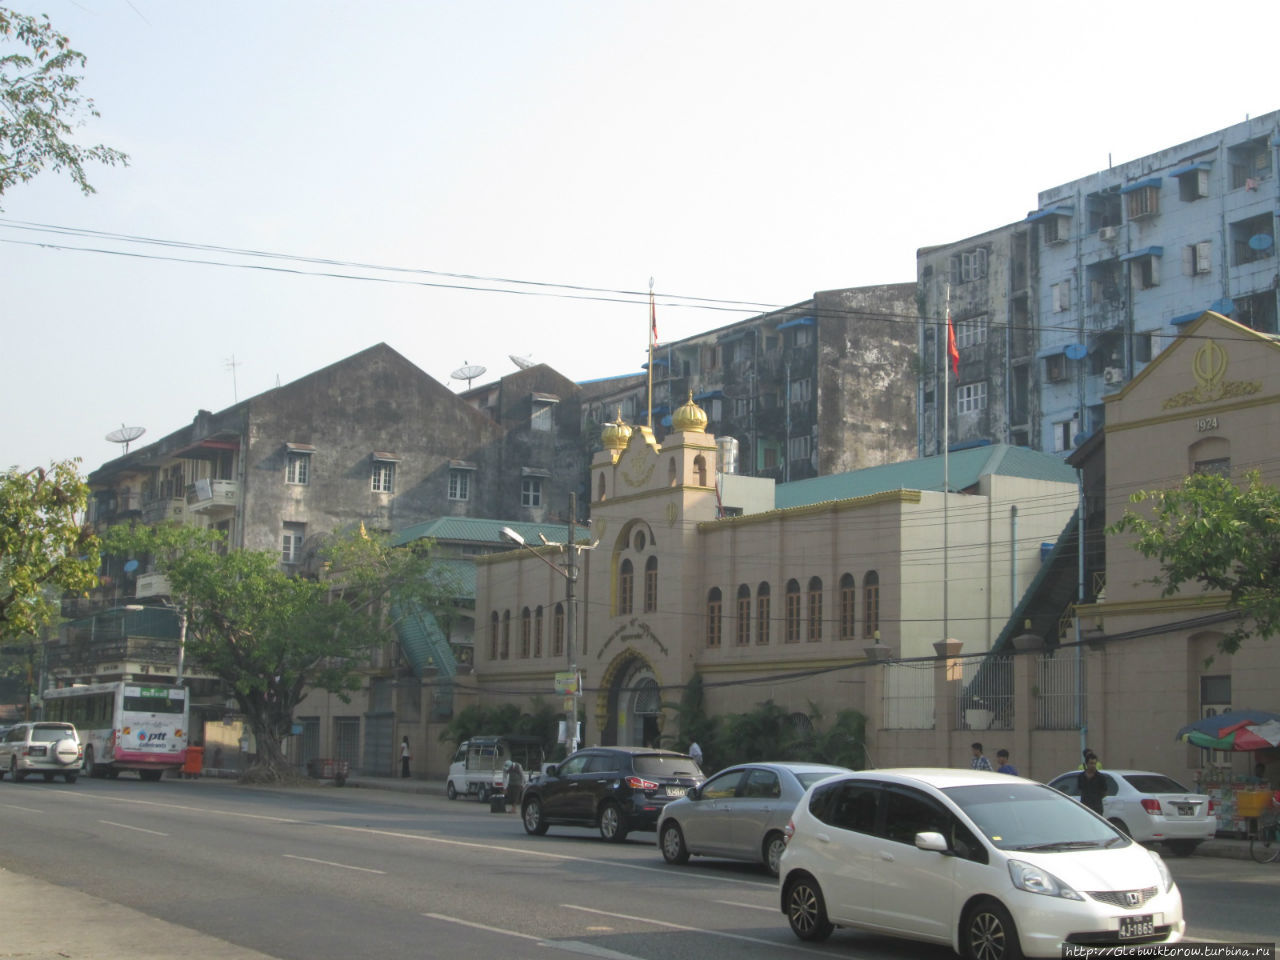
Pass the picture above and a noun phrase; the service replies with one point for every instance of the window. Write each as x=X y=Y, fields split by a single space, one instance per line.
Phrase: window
x=1061 y=295
x=493 y=635
x=815 y=609
x=1055 y=367
x=971 y=397
x=762 y=614
x=798 y=448
x=713 y=617
x=542 y=418
x=384 y=475
x=626 y=580
x=294 y=534
x=298 y=468
x=791 y=613
x=1250 y=162
x=1220 y=466
x=1196 y=258
x=741 y=407
x=557 y=631
x=1258 y=311
x=1193 y=184
x=537 y=632
x=505 y=652
x=1253 y=239
x=1143 y=347
x=801 y=390
x=530 y=491
x=526 y=623
x=802 y=336
x=1144 y=271
x=1142 y=201
x=1104 y=282
x=743 y=632
x=1103 y=210
x=651 y=585
x=970 y=265
x=1055 y=229
x=870 y=604
x=848 y=623
x=1064 y=434
x=459 y=484
x=971 y=332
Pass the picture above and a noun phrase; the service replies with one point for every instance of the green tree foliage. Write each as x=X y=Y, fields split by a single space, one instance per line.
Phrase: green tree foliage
x=270 y=636
x=44 y=546
x=541 y=720
x=1224 y=537
x=40 y=105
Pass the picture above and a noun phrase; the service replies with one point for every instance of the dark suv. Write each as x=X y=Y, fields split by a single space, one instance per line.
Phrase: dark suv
x=618 y=789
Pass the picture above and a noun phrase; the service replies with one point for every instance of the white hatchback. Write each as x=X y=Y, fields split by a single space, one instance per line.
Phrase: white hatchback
x=994 y=866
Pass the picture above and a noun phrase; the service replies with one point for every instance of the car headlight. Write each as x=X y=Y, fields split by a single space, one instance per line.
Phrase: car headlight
x=1166 y=878
x=1033 y=879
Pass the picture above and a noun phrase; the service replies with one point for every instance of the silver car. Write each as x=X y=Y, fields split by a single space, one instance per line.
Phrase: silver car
x=739 y=814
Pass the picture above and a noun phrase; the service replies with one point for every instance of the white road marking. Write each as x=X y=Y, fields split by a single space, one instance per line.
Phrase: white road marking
x=125 y=826
x=14 y=806
x=747 y=906
x=572 y=946
x=330 y=863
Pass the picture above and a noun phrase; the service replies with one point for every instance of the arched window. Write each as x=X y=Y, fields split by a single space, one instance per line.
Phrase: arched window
x=848 y=623
x=713 y=617
x=626 y=581
x=525 y=624
x=791 y=614
x=671 y=472
x=506 y=634
x=493 y=636
x=870 y=604
x=537 y=632
x=762 y=614
x=700 y=470
x=600 y=488
x=651 y=585
x=815 y=609
x=557 y=631
x=743 y=633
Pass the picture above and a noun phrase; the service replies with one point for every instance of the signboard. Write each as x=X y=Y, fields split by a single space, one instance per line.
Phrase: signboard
x=567 y=681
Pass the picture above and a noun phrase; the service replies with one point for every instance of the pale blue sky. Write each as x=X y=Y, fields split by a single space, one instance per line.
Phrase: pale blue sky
x=733 y=150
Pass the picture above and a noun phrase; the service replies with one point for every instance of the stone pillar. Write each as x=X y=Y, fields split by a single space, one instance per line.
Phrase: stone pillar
x=948 y=678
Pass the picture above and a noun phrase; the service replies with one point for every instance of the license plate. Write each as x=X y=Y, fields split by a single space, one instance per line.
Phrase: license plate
x=1186 y=810
x=677 y=791
x=39 y=751
x=1131 y=927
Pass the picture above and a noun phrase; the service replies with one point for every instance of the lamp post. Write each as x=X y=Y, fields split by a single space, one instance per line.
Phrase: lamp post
x=570 y=573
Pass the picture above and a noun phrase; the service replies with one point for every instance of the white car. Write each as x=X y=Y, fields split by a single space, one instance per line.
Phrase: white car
x=1151 y=808
x=45 y=748
x=995 y=867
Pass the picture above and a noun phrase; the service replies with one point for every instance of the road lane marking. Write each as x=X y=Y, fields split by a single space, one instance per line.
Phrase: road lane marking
x=572 y=946
x=14 y=806
x=125 y=826
x=747 y=906
x=330 y=863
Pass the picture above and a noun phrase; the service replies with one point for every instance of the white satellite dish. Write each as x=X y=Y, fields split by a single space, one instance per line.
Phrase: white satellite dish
x=524 y=363
x=468 y=372
x=126 y=435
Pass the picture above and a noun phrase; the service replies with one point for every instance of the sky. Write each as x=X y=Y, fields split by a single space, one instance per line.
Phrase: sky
x=313 y=172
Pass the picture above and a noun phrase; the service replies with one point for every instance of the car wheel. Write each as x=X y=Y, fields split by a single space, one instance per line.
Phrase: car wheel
x=451 y=791
x=988 y=933
x=612 y=827
x=774 y=844
x=70 y=777
x=531 y=815
x=483 y=793
x=672 y=843
x=807 y=911
x=1121 y=826
x=1183 y=848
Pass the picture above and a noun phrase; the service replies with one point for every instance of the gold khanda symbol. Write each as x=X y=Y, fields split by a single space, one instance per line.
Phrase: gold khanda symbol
x=1209 y=366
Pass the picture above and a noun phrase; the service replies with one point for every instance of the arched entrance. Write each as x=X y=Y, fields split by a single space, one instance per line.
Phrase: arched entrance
x=634 y=709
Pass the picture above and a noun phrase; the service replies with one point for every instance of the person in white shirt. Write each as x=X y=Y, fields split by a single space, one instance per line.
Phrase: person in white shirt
x=695 y=751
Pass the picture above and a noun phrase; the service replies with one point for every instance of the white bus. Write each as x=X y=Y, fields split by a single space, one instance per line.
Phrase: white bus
x=125 y=725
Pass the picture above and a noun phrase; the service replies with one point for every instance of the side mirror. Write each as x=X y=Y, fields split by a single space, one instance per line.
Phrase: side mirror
x=931 y=840
x=694 y=793
x=552 y=769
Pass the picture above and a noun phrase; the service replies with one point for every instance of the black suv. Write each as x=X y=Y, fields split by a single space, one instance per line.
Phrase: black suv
x=618 y=789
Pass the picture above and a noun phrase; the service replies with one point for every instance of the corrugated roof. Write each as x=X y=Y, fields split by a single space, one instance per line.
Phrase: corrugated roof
x=476 y=530
x=964 y=470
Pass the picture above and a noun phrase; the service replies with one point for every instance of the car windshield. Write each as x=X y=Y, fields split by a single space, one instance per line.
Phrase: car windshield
x=1155 y=783
x=1031 y=816
x=50 y=734
x=666 y=765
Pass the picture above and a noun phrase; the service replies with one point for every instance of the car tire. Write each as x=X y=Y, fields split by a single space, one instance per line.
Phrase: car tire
x=1121 y=826
x=613 y=826
x=774 y=843
x=451 y=791
x=1183 y=848
x=671 y=843
x=70 y=777
x=807 y=910
x=483 y=793
x=531 y=817
x=987 y=933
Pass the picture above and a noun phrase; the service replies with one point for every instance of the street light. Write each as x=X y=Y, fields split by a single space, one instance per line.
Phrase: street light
x=570 y=573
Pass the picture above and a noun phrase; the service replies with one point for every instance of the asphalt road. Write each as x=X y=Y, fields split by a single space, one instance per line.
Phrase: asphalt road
x=320 y=873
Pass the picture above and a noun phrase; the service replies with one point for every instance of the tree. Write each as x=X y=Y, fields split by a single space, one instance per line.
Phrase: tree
x=44 y=547
x=40 y=104
x=1217 y=534
x=270 y=636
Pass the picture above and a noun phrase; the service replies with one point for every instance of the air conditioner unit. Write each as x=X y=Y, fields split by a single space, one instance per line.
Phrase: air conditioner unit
x=1107 y=233
x=1111 y=375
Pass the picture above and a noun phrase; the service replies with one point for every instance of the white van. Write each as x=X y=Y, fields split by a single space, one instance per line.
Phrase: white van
x=479 y=763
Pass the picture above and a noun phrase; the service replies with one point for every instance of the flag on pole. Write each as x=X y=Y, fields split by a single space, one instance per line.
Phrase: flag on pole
x=653 y=320
x=952 y=350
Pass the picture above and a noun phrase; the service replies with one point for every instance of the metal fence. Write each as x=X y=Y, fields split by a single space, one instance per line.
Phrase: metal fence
x=907 y=701
x=1059 y=691
x=985 y=698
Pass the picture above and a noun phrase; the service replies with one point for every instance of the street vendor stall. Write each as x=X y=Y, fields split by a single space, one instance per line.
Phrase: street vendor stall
x=1238 y=799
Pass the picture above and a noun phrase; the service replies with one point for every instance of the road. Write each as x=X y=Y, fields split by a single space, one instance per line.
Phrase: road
x=320 y=873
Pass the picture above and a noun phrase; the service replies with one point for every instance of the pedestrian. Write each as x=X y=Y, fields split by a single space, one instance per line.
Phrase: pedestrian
x=514 y=786
x=404 y=756
x=979 y=761
x=695 y=751
x=1093 y=785
x=1002 y=758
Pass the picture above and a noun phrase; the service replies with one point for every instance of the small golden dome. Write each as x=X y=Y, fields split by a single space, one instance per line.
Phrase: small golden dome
x=615 y=435
x=689 y=418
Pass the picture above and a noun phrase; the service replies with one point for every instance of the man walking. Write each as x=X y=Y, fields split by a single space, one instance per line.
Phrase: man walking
x=979 y=761
x=1002 y=758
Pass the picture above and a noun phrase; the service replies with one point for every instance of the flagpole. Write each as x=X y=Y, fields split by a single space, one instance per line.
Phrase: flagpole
x=946 y=467
x=653 y=335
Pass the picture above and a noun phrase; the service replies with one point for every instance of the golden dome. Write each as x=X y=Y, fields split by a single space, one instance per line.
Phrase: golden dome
x=615 y=435
x=689 y=418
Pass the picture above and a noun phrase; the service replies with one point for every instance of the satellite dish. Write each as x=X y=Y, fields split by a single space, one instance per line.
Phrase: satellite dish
x=468 y=372
x=1261 y=241
x=131 y=566
x=126 y=435
x=524 y=363
x=1075 y=351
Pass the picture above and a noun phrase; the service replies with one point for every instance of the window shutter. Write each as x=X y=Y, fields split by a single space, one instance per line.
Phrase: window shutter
x=1203 y=253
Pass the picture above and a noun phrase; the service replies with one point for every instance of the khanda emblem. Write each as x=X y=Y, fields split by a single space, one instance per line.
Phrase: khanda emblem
x=1209 y=367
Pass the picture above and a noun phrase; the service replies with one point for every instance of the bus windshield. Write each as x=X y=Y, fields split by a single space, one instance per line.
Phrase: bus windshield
x=161 y=704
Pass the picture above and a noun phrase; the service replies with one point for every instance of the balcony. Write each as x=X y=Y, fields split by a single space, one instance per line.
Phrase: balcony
x=151 y=585
x=213 y=497
x=165 y=510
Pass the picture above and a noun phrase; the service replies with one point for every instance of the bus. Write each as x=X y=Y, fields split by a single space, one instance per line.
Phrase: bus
x=125 y=725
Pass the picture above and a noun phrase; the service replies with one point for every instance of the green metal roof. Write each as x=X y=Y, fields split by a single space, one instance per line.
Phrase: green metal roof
x=477 y=530
x=963 y=471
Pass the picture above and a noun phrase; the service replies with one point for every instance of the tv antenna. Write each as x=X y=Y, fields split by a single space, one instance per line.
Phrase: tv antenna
x=524 y=363
x=126 y=435
x=468 y=372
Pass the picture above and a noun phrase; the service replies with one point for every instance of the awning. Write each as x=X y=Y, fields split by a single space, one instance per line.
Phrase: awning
x=657 y=362
x=738 y=334
x=1148 y=182
x=544 y=398
x=709 y=395
x=1191 y=168
x=1051 y=351
x=534 y=472
x=1058 y=210
x=383 y=457
x=1144 y=252
x=300 y=447
x=797 y=322
x=1186 y=317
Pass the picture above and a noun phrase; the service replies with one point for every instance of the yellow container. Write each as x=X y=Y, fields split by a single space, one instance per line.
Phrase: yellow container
x=1252 y=803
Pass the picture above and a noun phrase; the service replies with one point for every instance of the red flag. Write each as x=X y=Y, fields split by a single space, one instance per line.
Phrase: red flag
x=952 y=350
x=653 y=321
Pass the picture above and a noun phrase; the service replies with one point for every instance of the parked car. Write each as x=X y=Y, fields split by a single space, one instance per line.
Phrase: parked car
x=617 y=789
x=478 y=764
x=991 y=865
x=47 y=748
x=1151 y=808
x=741 y=813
